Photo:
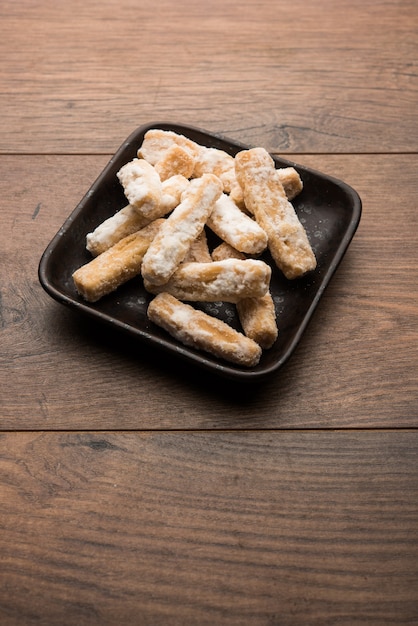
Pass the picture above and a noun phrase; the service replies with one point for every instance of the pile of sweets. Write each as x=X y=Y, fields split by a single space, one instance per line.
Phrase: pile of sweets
x=176 y=190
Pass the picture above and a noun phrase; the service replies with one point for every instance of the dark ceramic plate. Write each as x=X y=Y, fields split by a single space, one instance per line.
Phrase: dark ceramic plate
x=329 y=209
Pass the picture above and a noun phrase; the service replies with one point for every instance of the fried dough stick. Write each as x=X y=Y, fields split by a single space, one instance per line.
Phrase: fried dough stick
x=236 y=228
x=115 y=266
x=228 y=281
x=142 y=187
x=181 y=228
x=202 y=331
x=128 y=220
x=256 y=314
x=266 y=199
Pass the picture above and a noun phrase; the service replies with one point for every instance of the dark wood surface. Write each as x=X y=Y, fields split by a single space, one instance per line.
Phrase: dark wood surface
x=209 y=528
x=301 y=76
x=134 y=489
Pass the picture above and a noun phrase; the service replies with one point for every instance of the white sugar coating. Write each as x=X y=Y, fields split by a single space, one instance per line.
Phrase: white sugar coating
x=121 y=224
x=236 y=228
x=265 y=197
x=192 y=331
x=175 y=160
x=181 y=228
x=291 y=181
x=238 y=277
x=175 y=185
x=181 y=316
x=156 y=142
x=178 y=238
x=129 y=219
x=202 y=331
x=142 y=185
x=172 y=189
x=218 y=162
x=106 y=229
x=228 y=280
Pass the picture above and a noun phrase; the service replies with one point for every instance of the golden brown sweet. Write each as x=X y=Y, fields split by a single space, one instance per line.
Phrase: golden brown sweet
x=289 y=177
x=218 y=162
x=115 y=266
x=142 y=187
x=266 y=199
x=123 y=223
x=236 y=228
x=291 y=181
x=258 y=319
x=225 y=251
x=156 y=142
x=172 y=189
x=228 y=281
x=257 y=315
x=201 y=331
x=128 y=220
x=182 y=227
x=175 y=160
x=199 y=250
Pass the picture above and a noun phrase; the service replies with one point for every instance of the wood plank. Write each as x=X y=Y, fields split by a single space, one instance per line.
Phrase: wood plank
x=355 y=367
x=230 y=528
x=323 y=76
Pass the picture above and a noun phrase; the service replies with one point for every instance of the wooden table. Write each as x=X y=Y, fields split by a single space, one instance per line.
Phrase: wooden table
x=134 y=489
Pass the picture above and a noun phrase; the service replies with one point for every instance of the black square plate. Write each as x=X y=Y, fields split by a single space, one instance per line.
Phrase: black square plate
x=329 y=209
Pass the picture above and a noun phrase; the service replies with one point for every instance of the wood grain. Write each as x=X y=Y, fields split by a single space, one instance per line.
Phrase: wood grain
x=322 y=76
x=355 y=367
x=135 y=489
x=285 y=528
